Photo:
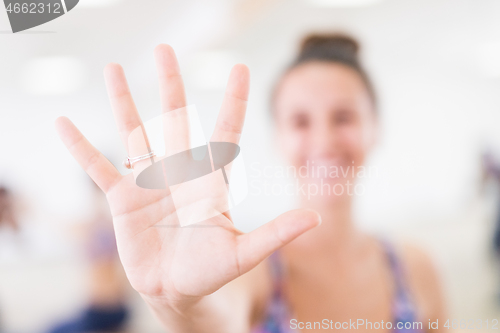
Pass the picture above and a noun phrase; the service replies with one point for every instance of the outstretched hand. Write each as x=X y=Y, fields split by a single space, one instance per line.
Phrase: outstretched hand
x=177 y=264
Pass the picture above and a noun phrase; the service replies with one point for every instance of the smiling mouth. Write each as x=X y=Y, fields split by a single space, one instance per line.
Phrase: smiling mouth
x=330 y=168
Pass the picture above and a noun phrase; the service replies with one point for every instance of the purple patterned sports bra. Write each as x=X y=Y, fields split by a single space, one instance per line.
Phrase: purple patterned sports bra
x=278 y=314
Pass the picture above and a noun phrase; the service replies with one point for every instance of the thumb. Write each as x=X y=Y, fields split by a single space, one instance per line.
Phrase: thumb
x=257 y=245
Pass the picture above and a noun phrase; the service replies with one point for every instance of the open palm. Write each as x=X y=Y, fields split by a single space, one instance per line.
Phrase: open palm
x=161 y=259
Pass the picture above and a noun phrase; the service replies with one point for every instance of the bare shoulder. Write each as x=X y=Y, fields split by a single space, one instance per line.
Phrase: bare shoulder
x=424 y=281
x=420 y=266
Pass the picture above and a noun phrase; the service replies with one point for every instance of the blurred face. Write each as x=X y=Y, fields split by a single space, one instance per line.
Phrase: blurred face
x=326 y=126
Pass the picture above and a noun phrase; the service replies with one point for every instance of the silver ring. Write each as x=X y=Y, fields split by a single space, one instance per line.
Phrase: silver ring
x=129 y=162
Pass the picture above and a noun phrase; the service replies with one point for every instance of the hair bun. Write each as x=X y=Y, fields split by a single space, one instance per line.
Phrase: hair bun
x=329 y=47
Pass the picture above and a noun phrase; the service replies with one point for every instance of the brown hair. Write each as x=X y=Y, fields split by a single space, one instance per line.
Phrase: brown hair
x=336 y=48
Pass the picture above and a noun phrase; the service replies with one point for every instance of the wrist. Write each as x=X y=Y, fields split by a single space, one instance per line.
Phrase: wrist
x=183 y=307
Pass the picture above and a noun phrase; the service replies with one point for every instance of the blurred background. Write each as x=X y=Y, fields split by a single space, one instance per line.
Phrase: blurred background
x=436 y=69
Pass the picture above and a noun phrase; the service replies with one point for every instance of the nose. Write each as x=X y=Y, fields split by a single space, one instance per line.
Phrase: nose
x=324 y=138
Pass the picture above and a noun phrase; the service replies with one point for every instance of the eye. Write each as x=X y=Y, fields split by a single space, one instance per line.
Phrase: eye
x=300 y=121
x=343 y=117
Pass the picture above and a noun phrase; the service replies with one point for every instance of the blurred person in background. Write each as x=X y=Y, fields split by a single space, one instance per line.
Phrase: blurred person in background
x=107 y=310
x=7 y=218
x=269 y=280
x=491 y=172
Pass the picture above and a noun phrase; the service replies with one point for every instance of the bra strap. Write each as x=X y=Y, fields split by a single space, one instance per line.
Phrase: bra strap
x=403 y=308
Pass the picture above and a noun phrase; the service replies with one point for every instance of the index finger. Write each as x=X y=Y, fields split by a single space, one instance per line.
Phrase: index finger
x=232 y=114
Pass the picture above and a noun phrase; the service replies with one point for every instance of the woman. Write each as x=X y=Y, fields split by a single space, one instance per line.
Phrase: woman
x=222 y=280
